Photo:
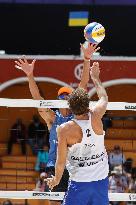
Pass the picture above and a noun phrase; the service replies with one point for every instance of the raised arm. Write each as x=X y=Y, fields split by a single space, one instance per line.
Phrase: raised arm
x=88 y=51
x=100 y=107
x=47 y=114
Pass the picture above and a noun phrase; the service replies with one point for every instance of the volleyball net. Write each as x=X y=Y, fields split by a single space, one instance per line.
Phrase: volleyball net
x=59 y=195
x=20 y=171
x=5 y=102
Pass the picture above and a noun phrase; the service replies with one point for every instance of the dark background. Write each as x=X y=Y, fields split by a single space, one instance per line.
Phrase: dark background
x=43 y=28
x=97 y=2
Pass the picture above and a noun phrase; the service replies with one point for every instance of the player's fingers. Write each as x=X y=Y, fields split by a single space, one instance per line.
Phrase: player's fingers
x=97 y=49
x=20 y=60
x=24 y=58
x=18 y=63
x=81 y=46
x=33 y=62
x=18 y=67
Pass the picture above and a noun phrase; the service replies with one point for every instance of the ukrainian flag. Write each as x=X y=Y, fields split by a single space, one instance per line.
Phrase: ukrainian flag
x=78 y=18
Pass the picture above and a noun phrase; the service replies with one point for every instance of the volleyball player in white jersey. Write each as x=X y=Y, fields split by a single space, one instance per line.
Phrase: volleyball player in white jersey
x=81 y=148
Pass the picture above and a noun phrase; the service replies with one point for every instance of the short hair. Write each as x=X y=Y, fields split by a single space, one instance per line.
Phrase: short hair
x=79 y=101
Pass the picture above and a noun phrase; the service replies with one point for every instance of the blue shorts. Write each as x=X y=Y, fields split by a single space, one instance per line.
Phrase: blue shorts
x=87 y=193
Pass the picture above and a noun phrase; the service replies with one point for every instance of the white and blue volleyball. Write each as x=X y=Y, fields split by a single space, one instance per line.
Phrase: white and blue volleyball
x=94 y=32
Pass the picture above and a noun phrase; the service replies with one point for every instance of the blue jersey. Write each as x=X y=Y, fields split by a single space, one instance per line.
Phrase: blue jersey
x=59 y=119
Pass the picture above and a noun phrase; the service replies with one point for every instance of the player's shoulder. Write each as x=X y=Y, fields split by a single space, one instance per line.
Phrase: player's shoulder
x=67 y=126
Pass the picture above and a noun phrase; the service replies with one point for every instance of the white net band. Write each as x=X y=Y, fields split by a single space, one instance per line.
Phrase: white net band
x=60 y=104
x=59 y=195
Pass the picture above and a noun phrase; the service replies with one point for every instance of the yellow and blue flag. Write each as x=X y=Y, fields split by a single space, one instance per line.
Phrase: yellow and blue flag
x=78 y=18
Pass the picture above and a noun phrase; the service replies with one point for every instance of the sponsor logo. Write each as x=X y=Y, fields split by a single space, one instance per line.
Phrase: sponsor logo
x=132 y=197
x=44 y=194
x=46 y=103
x=93 y=157
x=130 y=107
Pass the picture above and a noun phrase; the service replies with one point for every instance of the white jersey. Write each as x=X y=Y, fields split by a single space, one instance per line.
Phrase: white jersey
x=88 y=161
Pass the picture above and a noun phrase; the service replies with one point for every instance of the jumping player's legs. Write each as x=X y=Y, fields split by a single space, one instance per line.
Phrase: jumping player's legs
x=87 y=193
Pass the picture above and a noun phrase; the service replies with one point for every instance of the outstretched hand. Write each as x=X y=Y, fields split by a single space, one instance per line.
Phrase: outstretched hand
x=95 y=70
x=23 y=64
x=52 y=182
x=89 y=50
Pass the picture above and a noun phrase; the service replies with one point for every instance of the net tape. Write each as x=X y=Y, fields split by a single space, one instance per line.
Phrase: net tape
x=59 y=195
x=60 y=104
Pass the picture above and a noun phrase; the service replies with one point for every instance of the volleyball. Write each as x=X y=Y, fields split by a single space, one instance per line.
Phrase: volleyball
x=94 y=32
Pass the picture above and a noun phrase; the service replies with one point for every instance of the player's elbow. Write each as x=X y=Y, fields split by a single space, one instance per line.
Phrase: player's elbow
x=104 y=99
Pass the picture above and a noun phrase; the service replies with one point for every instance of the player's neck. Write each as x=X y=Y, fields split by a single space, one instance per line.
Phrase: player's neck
x=82 y=117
